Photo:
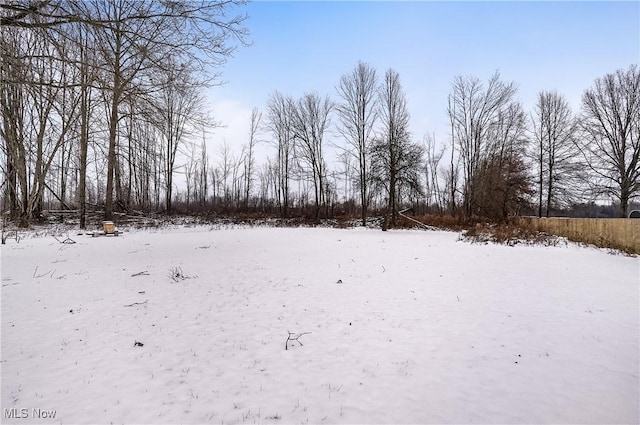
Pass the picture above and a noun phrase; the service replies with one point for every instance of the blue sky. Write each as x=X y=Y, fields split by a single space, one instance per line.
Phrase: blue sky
x=306 y=46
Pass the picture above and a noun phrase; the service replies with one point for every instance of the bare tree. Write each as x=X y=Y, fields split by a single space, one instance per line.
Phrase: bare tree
x=139 y=37
x=502 y=185
x=181 y=111
x=432 y=163
x=554 y=132
x=214 y=173
x=254 y=129
x=236 y=180
x=358 y=113
x=268 y=185
x=190 y=169
x=396 y=160
x=279 y=123
x=13 y=101
x=203 y=187
x=225 y=171
x=123 y=55
x=310 y=120
x=146 y=161
x=87 y=78
x=611 y=124
x=347 y=170
x=39 y=112
x=473 y=109
x=452 y=175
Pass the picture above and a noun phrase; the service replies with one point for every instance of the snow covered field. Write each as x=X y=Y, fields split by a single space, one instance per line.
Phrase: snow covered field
x=188 y=325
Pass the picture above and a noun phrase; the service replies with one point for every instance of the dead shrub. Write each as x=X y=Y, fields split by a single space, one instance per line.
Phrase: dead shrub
x=508 y=234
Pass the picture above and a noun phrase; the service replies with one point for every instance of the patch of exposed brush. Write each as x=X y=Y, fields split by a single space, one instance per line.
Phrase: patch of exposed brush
x=509 y=234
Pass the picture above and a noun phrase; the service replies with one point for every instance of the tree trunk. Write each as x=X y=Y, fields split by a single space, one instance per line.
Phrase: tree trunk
x=111 y=158
x=84 y=144
x=113 y=131
x=549 y=191
x=624 y=202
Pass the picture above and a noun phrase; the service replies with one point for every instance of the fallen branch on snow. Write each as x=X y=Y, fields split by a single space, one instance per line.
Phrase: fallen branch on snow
x=424 y=226
x=37 y=276
x=294 y=337
x=176 y=274
x=67 y=241
x=132 y=304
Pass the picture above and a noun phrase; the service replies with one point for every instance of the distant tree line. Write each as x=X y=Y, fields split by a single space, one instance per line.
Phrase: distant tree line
x=102 y=106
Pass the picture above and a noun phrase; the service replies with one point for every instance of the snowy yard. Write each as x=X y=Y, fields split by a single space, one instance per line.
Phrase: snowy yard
x=188 y=325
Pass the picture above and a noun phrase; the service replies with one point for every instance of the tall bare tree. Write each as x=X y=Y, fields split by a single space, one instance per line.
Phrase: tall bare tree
x=137 y=38
x=310 y=120
x=13 y=101
x=396 y=159
x=279 y=123
x=181 y=112
x=473 y=109
x=203 y=186
x=39 y=112
x=87 y=70
x=357 y=111
x=611 y=124
x=254 y=131
x=433 y=156
x=225 y=168
x=502 y=186
x=554 y=136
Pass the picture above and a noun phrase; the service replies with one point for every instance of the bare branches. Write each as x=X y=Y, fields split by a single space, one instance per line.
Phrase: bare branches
x=254 y=129
x=433 y=156
x=481 y=118
x=554 y=135
x=310 y=120
x=611 y=124
x=294 y=337
x=209 y=22
x=139 y=48
x=358 y=113
x=176 y=274
x=37 y=276
x=396 y=161
x=26 y=14
x=132 y=304
x=279 y=123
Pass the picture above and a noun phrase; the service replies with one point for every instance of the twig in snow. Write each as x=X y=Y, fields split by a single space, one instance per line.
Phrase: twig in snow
x=142 y=273
x=67 y=241
x=176 y=274
x=36 y=276
x=132 y=304
x=294 y=337
x=6 y=233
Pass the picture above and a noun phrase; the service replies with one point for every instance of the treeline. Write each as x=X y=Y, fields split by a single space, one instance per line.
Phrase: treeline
x=98 y=97
x=102 y=106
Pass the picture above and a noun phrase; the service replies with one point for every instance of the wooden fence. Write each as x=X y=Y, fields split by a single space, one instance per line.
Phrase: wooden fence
x=618 y=233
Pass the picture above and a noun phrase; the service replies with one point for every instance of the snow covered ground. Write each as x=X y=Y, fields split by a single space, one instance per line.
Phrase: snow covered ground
x=188 y=325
